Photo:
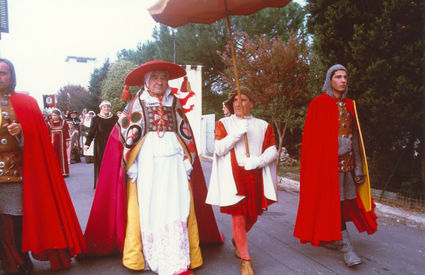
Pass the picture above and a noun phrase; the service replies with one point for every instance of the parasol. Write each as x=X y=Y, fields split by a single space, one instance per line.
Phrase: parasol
x=175 y=13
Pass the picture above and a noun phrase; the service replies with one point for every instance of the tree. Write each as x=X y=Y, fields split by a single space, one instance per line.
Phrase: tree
x=113 y=84
x=98 y=75
x=143 y=53
x=273 y=22
x=275 y=74
x=197 y=44
x=72 y=97
x=381 y=43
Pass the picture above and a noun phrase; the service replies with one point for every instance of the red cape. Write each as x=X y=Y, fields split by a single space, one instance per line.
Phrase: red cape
x=319 y=212
x=105 y=231
x=49 y=220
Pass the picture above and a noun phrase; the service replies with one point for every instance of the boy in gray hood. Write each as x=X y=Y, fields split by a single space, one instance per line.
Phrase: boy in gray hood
x=332 y=171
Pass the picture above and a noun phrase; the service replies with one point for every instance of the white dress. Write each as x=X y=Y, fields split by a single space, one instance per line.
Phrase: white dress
x=164 y=198
x=89 y=152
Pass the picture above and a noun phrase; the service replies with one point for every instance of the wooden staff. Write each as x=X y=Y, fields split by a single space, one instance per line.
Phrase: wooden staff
x=235 y=70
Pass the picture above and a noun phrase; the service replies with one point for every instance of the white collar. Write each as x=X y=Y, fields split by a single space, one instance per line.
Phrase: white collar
x=103 y=116
x=245 y=117
x=153 y=100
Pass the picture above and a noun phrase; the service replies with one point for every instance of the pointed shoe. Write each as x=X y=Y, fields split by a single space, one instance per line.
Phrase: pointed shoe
x=246 y=267
x=351 y=259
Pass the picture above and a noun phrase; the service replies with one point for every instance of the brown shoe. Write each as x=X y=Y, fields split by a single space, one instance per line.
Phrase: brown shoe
x=237 y=253
x=246 y=267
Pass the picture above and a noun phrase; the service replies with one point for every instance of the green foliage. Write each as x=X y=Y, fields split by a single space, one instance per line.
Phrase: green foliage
x=272 y=22
x=98 y=75
x=113 y=84
x=143 y=53
x=197 y=44
x=72 y=98
x=381 y=43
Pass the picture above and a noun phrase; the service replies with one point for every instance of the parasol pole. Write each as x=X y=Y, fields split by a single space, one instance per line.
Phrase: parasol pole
x=235 y=70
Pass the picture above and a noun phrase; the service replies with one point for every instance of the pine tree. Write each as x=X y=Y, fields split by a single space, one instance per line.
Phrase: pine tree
x=380 y=42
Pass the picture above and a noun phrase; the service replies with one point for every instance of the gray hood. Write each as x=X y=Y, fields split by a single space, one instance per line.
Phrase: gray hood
x=12 y=74
x=327 y=88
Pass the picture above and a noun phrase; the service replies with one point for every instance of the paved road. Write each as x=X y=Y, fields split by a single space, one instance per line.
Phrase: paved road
x=394 y=249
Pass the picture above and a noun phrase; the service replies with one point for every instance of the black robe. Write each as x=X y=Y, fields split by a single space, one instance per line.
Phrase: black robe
x=99 y=131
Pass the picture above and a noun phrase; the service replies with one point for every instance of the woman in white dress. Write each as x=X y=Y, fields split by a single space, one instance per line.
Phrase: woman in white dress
x=84 y=128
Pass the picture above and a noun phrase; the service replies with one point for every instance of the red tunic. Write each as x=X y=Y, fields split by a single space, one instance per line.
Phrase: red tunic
x=59 y=133
x=50 y=225
x=319 y=212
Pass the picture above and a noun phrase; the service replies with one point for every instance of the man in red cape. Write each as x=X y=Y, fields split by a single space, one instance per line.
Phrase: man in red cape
x=333 y=170
x=36 y=211
x=149 y=204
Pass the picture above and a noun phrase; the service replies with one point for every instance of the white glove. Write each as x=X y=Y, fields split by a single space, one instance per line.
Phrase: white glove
x=188 y=166
x=132 y=172
x=240 y=128
x=252 y=163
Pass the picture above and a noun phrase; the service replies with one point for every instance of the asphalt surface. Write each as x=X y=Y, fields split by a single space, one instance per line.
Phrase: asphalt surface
x=395 y=249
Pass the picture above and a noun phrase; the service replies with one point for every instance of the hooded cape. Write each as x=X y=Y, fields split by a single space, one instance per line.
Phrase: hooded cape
x=106 y=227
x=319 y=212
x=49 y=219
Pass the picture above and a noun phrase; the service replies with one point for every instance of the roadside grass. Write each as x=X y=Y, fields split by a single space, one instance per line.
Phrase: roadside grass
x=291 y=172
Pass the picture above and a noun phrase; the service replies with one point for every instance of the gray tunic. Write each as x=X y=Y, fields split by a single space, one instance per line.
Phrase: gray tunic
x=347 y=186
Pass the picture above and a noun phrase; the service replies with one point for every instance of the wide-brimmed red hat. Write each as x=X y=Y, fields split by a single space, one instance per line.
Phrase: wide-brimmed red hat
x=137 y=76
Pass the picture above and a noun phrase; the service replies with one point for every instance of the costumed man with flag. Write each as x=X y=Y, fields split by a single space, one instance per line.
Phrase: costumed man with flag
x=334 y=183
x=36 y=212
x=150 y=199
x=243 y=186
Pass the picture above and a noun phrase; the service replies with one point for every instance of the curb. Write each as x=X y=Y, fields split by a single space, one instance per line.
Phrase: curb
x=381 y=210
x=401 y=215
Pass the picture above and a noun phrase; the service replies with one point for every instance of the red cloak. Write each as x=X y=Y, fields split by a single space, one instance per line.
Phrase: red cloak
x=319 y=211
x=105 y=231
x=50 y=225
